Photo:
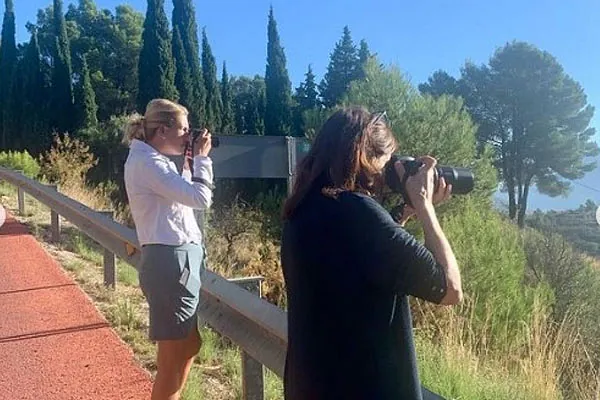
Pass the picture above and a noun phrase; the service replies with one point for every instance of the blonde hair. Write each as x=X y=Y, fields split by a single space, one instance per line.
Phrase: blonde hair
x=158 y=112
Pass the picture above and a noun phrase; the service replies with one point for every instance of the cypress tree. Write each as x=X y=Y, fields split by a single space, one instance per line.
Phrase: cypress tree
x=34 y=92
x=227 y=123
x=278 y=86
x=13 y=111
x=184 y=19
x=214 y=104
x=342 y=70
x=183 y=78
x=156 y=69
x=62 y=86
x=8 y=64
x=88 y=109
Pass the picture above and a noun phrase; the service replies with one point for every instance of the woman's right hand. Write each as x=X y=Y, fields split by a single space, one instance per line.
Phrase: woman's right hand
x=421 y=188
x=203 y=144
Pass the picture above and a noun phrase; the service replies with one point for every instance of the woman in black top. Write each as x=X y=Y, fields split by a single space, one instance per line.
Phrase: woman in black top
x=349 y=267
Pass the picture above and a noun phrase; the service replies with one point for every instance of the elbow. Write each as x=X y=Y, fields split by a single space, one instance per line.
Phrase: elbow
x=454 y=296
x=207 y=201
x=203 y=202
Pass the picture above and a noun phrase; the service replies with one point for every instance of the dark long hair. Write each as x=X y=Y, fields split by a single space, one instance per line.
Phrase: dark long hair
x=342 y=156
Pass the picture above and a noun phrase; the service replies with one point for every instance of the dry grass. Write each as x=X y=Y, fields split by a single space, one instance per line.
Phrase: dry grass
x=594 y=261
x=552 y=364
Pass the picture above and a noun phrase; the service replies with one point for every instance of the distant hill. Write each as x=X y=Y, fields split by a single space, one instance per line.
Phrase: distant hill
x=582 y=190
x=573 y=217
x=578 y=226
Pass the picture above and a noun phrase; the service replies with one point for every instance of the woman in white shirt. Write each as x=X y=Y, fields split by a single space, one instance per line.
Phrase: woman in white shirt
x=162 y=203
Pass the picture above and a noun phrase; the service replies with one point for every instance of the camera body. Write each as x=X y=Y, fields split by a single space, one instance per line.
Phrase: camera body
x=461 y=179
x=196 y=134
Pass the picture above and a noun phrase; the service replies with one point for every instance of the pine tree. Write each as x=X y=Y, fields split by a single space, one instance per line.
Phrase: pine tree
x=306 y=98
x=8 y=64
x=306 y=93
x=88 y=109
x=62 y=87
x=184 y=20
x=227 y=123
x=35 y=130
x=214 y=104
x=363 y=56
x=341 y=71
x=156 y=67
x=278 y=115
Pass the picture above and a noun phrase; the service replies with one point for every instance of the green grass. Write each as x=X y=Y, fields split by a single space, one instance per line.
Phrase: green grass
x=74 y=266
x=459 y=375
x=127 y=274
x=7 y=190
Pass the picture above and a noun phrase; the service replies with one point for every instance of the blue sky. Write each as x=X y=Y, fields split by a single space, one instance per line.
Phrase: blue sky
x=418 y=36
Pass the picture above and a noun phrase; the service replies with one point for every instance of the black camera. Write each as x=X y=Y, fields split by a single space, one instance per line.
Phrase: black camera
x=461 y=179
x=196 y=134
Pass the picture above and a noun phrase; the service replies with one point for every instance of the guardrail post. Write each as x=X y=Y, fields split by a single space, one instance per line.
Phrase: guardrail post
x=21 y=197
x=54 y=221
x=110 y=260
x=252 y=370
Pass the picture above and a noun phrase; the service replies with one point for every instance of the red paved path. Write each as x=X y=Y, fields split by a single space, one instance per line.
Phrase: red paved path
x=54 y=344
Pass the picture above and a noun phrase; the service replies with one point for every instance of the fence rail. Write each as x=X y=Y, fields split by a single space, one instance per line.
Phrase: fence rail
x=230 y=307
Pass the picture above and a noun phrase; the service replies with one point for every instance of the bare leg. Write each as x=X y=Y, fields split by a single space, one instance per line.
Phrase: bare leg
x=175 y=359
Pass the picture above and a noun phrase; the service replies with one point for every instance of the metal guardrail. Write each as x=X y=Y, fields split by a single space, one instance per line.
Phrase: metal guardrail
x=258 y=327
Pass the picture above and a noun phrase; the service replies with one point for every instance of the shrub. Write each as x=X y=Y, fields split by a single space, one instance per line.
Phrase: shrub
x=67 y=162
x=240 y=245
x=20 y=161
x=576 y=284
x=105 y=142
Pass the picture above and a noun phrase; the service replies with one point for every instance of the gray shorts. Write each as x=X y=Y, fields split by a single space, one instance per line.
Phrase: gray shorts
x=170 y=280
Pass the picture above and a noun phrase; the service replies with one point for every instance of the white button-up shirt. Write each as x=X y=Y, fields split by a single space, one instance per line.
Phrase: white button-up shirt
x=161 y=200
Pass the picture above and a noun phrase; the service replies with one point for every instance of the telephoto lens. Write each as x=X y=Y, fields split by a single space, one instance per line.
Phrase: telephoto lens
x=461 y=179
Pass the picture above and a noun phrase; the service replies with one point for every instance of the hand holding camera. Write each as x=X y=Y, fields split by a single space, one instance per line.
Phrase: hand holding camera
x=422 y=188
x=424 y=184
x=201 y=142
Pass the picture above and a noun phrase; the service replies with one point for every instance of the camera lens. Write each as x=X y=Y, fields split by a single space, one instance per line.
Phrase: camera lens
x=461 y=179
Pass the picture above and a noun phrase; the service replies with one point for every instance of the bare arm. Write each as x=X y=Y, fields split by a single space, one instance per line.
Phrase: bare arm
x=437 y=243
x=421 y=191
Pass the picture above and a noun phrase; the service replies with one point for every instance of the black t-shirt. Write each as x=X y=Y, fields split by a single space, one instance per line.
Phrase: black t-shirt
x=348 y=268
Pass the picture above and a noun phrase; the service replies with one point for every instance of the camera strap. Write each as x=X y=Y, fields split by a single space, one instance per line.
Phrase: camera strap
x=204 y=182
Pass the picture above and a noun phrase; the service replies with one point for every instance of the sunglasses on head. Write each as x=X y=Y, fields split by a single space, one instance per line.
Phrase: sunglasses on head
x=381 y=116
